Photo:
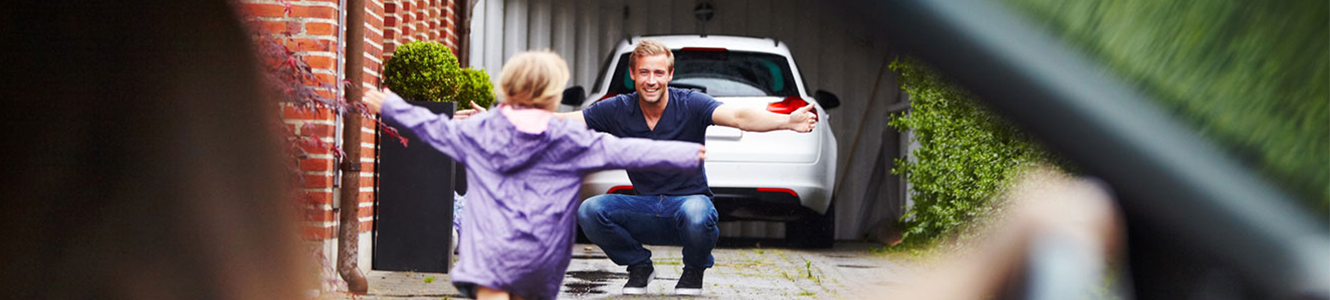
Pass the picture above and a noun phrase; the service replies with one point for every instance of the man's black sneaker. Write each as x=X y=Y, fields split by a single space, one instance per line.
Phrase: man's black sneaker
x=690 y=283
x=638 y=278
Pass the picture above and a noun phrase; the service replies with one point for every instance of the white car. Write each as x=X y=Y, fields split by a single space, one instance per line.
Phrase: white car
x=773 y=176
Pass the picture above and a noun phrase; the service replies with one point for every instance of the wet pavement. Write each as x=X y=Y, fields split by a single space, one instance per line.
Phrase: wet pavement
x=739 y=273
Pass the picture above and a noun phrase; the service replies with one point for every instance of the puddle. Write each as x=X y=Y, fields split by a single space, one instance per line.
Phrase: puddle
x=584 y=256
x=590 y=282
x=856 y=266
x=579 y=288
x=596 y=276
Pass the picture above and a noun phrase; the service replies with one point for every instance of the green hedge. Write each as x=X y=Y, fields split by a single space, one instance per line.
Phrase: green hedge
x=967 y=155
x=428 y=71
x=1252 y=75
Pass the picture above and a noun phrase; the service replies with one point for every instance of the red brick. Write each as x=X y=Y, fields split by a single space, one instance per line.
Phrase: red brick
x=372 y=51
x=310 y=45
x=368 y=137
x=366 y=212
x=373 y=8
x=316 y=165
x=320 y=29
x=318 y=198
x=264 y=10
x=366 y=226
x=325 y=130
x=271 y=26
x=294 y=113
x=320 y=215
x=374 y=36
x=314 y=149
x=320 y=62
x=318 y=181
x=326 y=78
x=317 y=12
x=374 y=22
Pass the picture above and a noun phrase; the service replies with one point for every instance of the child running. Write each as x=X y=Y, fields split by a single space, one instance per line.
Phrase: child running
x=524 y=168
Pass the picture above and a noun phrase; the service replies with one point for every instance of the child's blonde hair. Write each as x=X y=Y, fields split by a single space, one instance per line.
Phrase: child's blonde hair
x=534 y=79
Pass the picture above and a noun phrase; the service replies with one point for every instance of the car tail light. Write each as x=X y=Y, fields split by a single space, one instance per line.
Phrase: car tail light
x=778 y=190
x=620 y=188
x=787 y=106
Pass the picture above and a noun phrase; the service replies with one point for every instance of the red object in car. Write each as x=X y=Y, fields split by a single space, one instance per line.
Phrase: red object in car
x=778 y=190
x=787 y=106
x=619 y=188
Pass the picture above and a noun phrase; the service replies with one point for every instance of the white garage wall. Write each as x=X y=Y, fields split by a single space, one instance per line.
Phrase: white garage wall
x=834 y=55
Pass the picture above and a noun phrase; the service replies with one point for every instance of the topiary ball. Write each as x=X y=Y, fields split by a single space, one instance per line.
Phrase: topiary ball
x=423 y=71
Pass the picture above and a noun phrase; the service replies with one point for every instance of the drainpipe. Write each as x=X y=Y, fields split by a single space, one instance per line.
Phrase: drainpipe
x=464 y=28
x=349 y=229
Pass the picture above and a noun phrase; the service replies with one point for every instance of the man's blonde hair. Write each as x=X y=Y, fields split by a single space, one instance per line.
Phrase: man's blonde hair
x=650 y=47
x=534 y=79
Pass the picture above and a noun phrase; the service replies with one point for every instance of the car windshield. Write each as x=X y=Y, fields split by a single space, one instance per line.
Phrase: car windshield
x=721 y=73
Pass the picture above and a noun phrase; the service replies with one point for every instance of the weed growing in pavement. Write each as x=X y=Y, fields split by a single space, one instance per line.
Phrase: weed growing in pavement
x=808 y=267
x=668 y=261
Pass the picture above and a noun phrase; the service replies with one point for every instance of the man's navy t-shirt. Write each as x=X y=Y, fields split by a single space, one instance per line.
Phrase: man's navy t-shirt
x=686 y=117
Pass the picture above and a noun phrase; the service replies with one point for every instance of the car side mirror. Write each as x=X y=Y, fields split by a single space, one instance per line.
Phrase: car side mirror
x=574 y=96
x=827 y=99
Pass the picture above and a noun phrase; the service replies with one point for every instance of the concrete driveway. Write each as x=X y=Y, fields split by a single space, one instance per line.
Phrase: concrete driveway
x=739 y=273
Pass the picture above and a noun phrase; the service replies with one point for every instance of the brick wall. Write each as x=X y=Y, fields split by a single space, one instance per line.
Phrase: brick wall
x=419 y=20
x=316 y=28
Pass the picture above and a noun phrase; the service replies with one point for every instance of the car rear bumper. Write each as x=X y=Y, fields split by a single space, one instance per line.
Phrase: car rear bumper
x=748 y=191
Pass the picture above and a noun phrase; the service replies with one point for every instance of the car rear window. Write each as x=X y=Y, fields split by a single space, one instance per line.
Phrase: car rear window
x=720 y=73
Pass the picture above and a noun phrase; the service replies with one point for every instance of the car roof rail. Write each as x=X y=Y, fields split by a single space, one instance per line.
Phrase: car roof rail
x=774 y=41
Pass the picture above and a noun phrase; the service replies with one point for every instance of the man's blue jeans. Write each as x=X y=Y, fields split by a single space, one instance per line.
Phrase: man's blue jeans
x=620 y=224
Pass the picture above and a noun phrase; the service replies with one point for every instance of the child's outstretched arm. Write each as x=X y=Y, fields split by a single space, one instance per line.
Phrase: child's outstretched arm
x=608 y=152
x=434 y=129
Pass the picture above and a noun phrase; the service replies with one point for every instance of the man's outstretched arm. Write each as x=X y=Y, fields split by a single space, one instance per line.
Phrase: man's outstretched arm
x=759 y=120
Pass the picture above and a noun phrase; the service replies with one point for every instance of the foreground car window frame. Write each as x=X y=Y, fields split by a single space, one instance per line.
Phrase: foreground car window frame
x=1191 y=209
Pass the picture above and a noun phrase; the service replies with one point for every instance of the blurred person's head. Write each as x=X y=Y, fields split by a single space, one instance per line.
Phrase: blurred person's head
x=534 y=79
x=142 y=157
x=652 y=68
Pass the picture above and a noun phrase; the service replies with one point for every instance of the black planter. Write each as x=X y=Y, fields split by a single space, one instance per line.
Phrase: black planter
x=414 y=219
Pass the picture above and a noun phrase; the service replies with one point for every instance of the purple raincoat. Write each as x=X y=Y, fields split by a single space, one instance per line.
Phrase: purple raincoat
x=522 y=189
